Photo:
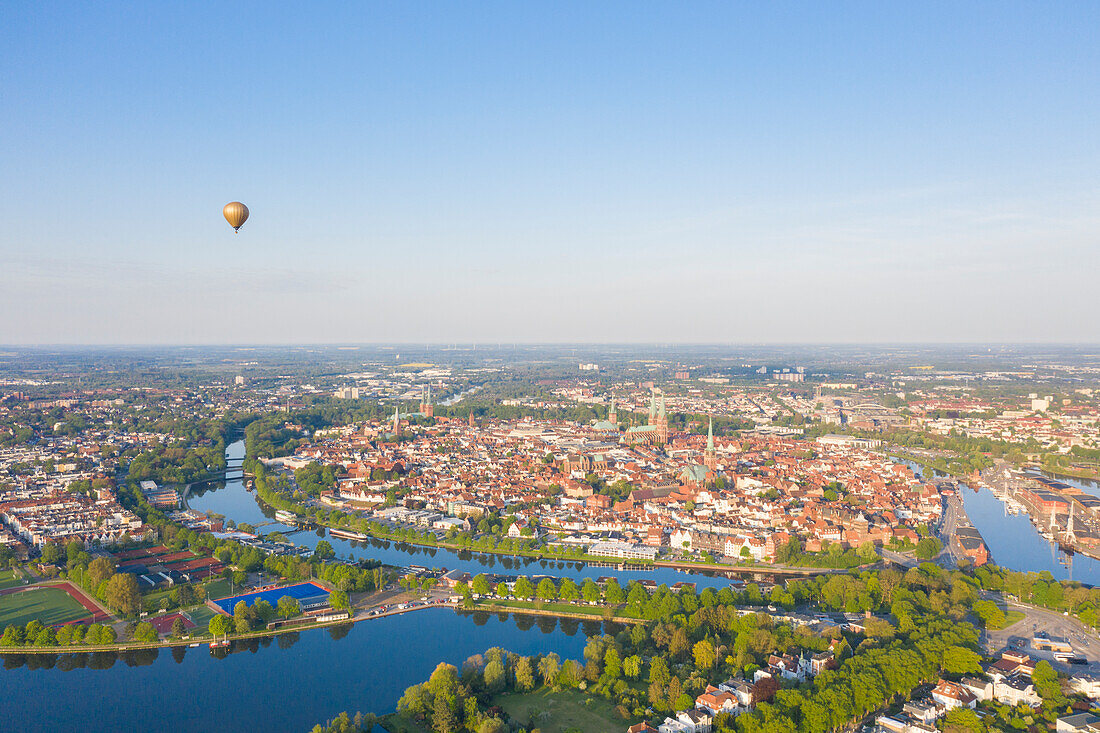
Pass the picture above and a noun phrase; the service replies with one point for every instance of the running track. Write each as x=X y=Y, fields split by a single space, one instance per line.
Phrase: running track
x=98 y=615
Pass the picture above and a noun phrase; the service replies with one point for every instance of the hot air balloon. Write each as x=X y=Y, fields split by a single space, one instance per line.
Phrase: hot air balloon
x=236 y=214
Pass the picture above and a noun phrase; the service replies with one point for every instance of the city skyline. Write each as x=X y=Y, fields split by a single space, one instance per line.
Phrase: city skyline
x=490 y=173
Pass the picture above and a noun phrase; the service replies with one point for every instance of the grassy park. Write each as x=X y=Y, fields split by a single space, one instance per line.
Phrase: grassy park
x=10 y=579
x=48 y=605
x=557 y=712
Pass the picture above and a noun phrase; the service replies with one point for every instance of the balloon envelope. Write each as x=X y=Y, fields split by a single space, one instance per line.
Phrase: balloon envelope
x=235 y=213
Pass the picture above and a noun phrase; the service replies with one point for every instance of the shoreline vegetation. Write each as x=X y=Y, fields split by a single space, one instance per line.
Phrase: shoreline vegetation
x=913 y=629
x=280 y=501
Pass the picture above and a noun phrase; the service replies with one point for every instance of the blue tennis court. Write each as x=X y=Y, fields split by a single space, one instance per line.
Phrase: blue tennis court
x=309 y=595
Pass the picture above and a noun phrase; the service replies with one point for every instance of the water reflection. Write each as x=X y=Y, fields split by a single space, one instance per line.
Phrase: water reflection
x=338 y=632
x=1015 y=543
x=317 y=666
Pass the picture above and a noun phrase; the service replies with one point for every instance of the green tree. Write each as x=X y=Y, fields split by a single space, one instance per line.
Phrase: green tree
x=122 y=594
x=178 y=627
x=52 y=553
x=494 y=676
x=288 y=607
x=962 y=720
x=960 y=660
x=525 y=674
x=219 y=625
x=338 y=599
x=546 y=590
x=704 y=654
x=146 y=633
x=1046 y=680
x=549 y=669
x=99 y=570
x=612 y=664
x=443 y=718
x=242 y=618
x=928 y=548
x=523 y=588
x=632 y=666
x=480 y=585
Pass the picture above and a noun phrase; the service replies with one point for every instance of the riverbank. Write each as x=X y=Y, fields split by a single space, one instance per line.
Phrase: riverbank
x=363 y=614
x=590 y=560
x=557 y=610
x=689 y=565
x=1067 y=473
x=317 y=662
x=367 y=613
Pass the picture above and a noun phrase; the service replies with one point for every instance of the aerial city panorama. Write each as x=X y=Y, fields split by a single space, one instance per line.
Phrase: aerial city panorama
x=488 y=367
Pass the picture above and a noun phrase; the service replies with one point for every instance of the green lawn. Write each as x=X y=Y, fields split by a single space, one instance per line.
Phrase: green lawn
x=557 y=712
x=201 y=616
x=10 y=579
x=218 y=589
x=48 y=605
x=394 y=723
x=151 y=601
x=1012 y=616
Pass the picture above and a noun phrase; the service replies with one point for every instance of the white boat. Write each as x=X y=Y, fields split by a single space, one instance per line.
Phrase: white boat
x=285 y=517
x=348 y=535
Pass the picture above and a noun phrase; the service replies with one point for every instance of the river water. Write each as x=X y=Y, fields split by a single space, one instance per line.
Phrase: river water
x=286 y=683
x=292 y=682
x=233 y=500
x=1015 y=543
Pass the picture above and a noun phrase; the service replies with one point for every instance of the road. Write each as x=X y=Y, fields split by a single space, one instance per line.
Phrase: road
x=1085 y=642
x=952 y=513
x=953 y=510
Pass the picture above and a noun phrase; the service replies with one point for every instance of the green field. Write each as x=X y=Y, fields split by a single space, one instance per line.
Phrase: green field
x=394 y=723
x=218 y=588
x=1012 y=616
x=10 y=579
x=48 y=605
x=201 y=616
x=557 y=712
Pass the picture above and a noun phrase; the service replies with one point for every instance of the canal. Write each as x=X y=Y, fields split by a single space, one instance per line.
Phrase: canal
x=286 y=683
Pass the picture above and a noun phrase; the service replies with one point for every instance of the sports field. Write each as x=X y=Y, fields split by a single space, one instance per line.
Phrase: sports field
x=304 y=593
x=201 y=617
x=49 y=605
x=10 y=579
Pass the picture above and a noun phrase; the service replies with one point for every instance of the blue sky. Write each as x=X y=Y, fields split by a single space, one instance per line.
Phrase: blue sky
x=720 y=172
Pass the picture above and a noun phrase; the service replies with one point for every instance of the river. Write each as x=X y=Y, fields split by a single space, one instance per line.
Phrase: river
x=233 y=500
x=1015 y=543
x=286 y=683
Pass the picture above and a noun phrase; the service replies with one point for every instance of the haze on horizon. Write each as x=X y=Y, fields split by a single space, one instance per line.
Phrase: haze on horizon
x=603 y=172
